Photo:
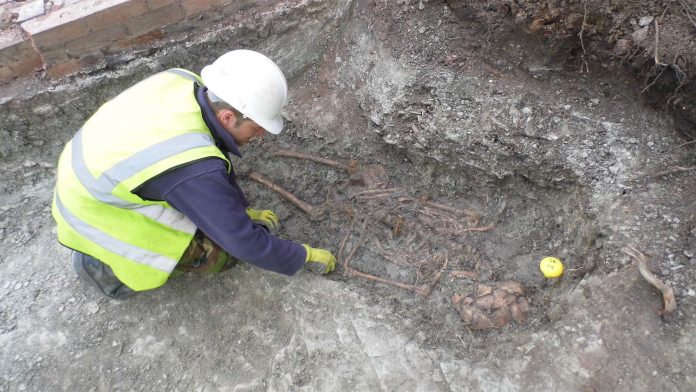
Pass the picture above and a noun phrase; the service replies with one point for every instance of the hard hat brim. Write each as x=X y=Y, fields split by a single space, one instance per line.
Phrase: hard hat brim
x=274 y=126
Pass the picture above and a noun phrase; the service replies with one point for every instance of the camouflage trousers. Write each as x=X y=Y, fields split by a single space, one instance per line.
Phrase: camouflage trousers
x=204 y=256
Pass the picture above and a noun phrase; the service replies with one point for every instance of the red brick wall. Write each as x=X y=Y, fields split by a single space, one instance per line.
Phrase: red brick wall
x=79 y=35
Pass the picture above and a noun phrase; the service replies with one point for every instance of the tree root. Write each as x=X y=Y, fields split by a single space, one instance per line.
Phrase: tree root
x=669 y=300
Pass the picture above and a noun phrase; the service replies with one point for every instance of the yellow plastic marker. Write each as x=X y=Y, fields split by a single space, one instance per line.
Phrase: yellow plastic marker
x=551 y=267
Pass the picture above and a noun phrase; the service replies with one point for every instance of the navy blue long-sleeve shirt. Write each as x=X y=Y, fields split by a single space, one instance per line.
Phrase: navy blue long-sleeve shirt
x=212 y=199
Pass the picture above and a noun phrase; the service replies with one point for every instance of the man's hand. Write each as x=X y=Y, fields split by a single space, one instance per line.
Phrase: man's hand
x=267 y=218
x=319 y=261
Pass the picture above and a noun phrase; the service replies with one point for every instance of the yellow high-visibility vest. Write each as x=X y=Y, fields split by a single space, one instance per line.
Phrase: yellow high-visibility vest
x=152 y=127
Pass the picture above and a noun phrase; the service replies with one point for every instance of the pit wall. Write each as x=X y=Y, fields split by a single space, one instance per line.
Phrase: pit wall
x=37 y=120
x=77 y=34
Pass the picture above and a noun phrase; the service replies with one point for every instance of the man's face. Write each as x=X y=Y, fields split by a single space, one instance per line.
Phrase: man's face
x=242 y=131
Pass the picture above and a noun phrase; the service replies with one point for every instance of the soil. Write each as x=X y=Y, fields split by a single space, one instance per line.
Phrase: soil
x=463 y=106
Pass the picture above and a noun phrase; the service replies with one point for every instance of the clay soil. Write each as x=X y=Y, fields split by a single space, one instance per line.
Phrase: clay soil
x=487 y=107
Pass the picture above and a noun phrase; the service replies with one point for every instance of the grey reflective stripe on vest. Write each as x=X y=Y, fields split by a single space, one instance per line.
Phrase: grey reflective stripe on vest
x=115 y=245
x=101 y=188
x=181 y=72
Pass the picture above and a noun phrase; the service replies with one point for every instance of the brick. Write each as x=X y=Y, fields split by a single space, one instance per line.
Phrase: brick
x=72 y=66
x=6 y=75
x=67 y=68
x=17 y=55
x=55 y=55
x=95 y=40
x=10 y=40
x=27 y=65
x=113 y=12
x=155 y=20
x=157 y=4
x=57 y=27
x=195 y=7
x=232 y=7
x=141 y=40
x=22 y=66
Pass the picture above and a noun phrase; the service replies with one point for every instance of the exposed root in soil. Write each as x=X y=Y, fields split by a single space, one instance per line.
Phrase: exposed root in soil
x=669 y=300
x=583 y=56
x=681 y=77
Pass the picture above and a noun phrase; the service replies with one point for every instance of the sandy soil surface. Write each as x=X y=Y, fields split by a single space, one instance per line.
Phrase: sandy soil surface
x=443 y=116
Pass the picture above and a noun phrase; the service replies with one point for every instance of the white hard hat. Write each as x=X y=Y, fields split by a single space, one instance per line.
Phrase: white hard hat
x=251 y=83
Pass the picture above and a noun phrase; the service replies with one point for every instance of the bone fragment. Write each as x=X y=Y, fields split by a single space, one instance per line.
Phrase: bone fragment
x=669 y=300
x=287 y=195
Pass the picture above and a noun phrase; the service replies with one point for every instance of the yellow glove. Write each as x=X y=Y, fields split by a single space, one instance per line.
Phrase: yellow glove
x=319 y=261
x=267 y=218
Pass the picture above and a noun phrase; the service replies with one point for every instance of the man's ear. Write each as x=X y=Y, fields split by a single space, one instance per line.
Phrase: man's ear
x=226 y=117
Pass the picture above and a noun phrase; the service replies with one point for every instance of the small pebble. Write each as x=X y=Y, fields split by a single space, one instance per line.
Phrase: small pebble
x=92 y=307
x=646 y=20
x=17 y=286
x=691 y=293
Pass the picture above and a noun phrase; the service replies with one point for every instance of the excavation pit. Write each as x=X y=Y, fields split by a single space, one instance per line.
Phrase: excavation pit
x=469 y=168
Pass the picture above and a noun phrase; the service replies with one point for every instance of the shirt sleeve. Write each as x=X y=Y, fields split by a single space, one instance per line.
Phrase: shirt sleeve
x=212 y=199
